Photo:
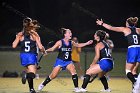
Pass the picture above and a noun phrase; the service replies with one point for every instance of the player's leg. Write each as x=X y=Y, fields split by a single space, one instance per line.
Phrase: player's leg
x=92 y=70
x=135 y=70
x=70 y=67
x=29 y=60
x=131 y=62
x=104 y=82
x=106 y=66
x=23 y=77
x=24 y=63
x=31 y=70
x=53 y=75
x=129 y=67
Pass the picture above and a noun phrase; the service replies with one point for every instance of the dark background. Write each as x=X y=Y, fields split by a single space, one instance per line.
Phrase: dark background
x=54 y=14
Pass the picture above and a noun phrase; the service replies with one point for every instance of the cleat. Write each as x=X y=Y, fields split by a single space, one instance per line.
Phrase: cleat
x=107 y=90
x=40 y=87
x=77 y=90
x=83 y=90
x=32 y=91
x=23 y=75
x=136 y=86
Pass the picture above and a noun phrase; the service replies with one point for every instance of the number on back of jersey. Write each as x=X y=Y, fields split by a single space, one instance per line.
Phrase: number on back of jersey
x=135 y=38
x=107 y=52
x=27 y=46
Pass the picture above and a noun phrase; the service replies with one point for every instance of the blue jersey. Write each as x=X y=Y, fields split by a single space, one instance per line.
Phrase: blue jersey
x=28 y=45
x=105 y=61
x=65 y=51
x=28 y=55
x=105 y=52
x=133 y=53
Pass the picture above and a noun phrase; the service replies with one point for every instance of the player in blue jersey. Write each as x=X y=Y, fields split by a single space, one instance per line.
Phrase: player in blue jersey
x=28 y=40
x=132 y=33
x=102 y=62
x=64 y=60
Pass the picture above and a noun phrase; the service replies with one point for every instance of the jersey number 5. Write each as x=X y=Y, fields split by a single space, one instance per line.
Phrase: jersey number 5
x=27 y=46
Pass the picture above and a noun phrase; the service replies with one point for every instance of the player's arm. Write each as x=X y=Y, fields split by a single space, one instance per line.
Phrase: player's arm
x=39 y=44
x=57 y=45
x=17 y=39
x=97 y=54
x=82 y=44
x=109 y=27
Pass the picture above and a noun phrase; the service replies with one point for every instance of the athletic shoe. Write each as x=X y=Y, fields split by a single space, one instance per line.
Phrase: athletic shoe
x=32 y=91
x=77 y=90
x=40 y=87
x=23 y=75
x=136 y=86
x=106 y=90
x=135 y=90
x=83 y=90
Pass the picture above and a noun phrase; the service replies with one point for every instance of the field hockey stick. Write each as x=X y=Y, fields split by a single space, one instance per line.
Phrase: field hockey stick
x=42 y=27
x=77 y=6
x=93 y=78
x=39 y=60
x=86 y=11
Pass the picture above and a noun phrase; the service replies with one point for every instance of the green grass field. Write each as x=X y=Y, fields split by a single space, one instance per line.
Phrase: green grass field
x=63 y=85
x=10 y=61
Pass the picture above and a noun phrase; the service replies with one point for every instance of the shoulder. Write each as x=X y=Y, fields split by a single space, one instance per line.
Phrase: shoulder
x=98 y=45
x=138 y=30
x=59 y=42
x=126 y=31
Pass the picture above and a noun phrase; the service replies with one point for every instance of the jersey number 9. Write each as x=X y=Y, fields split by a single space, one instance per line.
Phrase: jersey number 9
x=66 y=55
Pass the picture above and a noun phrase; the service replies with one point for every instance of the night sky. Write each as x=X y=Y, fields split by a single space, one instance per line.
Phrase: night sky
x=54 y=14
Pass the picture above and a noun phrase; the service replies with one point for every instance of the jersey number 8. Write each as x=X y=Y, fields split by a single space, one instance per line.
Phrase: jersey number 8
x=135 y=38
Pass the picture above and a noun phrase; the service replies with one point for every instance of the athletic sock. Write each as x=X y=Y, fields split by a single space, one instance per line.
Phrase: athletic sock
x=47 y=80
x=131 y=77
x=75 y=80
x=30 y=77
x=104 y=82
x=86 y=81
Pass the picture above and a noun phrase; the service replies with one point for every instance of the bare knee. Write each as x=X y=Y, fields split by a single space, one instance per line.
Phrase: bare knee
x=88 y=72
